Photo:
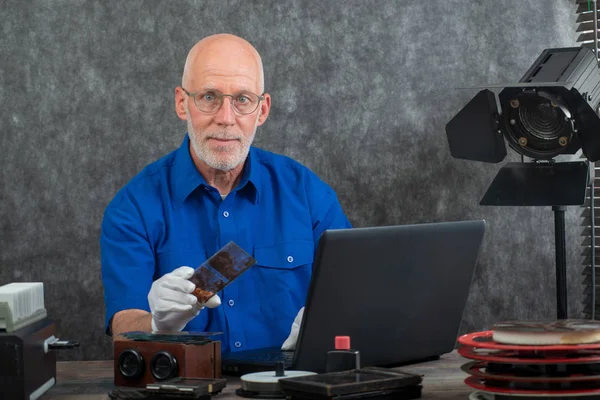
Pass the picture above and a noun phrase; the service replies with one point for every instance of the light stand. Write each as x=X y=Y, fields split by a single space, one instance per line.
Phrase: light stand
x=543 y=184
x=561 y=261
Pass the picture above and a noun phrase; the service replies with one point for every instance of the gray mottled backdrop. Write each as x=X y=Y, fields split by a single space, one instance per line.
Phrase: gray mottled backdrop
x=361 y=92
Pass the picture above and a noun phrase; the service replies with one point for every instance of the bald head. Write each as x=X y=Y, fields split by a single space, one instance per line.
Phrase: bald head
x=223 y=55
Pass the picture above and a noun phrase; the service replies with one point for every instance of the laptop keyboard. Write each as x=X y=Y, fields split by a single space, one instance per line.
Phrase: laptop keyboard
x=244 y=362
x=285 y=356
x=264 y=357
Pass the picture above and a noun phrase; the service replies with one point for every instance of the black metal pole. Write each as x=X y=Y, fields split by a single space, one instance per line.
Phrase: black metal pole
x=561 y=261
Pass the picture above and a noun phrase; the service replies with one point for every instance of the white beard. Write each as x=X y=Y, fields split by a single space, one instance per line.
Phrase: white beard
x=223 y=158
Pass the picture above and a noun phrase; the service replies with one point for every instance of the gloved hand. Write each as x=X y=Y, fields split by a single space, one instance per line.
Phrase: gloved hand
x=171 y=303
x=290 y=342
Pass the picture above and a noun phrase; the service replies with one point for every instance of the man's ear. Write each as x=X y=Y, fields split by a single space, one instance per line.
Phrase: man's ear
x=265 y=107
x=180 y=98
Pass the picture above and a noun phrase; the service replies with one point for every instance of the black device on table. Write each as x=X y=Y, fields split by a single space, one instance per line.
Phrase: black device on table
x=179 y=388
x=27 y=342
x=363 y=383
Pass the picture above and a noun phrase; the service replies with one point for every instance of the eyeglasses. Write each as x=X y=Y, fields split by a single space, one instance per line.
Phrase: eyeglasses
x=210 y=101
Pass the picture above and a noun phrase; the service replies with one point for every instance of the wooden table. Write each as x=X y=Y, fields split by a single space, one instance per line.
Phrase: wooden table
x=93 y=380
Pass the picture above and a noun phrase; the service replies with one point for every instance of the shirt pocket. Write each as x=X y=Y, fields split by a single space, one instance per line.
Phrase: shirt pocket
x=282 y=275
x=289 y=255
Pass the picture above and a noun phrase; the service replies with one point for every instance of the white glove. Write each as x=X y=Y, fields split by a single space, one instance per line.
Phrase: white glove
x=171 y=303
x=290 y=342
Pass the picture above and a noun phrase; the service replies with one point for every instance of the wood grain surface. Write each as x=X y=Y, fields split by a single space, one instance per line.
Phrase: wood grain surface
x=93 y=380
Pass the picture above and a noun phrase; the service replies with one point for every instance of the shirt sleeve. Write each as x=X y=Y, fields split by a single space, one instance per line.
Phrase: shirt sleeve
x=326 y=210
x=128 y=263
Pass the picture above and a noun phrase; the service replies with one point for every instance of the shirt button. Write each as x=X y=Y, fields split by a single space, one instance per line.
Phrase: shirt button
x=290 y=259
x=231 y=303
x=226 y=214
x=238 y=344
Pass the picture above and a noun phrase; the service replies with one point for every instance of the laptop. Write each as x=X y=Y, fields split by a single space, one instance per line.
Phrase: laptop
x=398 y=291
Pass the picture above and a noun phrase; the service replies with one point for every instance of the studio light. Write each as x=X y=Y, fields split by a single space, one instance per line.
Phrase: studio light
x=551 y=111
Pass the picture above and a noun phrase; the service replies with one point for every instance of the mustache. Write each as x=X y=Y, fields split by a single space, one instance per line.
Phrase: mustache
x=223 y=136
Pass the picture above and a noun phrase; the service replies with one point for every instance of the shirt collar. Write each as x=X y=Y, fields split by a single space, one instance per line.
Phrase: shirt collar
x=186 y=177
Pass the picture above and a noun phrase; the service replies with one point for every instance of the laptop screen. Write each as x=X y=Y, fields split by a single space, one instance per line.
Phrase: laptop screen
x=398 y=291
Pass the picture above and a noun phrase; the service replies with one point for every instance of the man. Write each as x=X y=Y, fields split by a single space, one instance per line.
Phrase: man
x=214 y=189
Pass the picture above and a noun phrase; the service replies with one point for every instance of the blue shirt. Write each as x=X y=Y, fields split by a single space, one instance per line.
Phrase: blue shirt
x=168 y=216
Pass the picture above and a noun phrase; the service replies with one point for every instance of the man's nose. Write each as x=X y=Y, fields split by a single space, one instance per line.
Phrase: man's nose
x=225 y=115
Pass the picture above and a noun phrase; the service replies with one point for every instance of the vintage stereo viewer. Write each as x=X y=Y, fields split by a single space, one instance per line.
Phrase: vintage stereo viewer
x=141 y=358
